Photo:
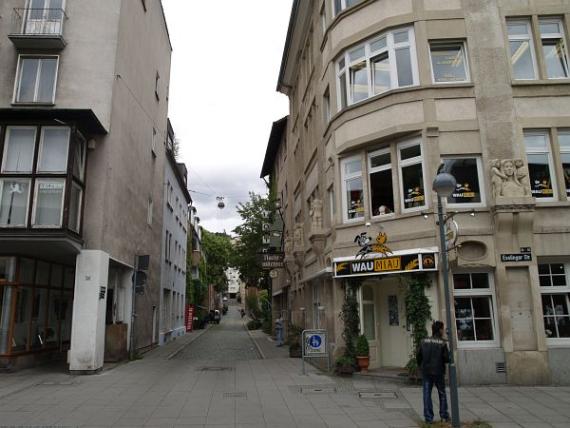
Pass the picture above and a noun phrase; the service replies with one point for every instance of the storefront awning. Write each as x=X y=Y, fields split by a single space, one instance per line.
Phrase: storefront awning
x=403 y=261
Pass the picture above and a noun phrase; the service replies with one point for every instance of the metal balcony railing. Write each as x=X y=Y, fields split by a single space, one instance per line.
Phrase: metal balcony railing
x=38 y=22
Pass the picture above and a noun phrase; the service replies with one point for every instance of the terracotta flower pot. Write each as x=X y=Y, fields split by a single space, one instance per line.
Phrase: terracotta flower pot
x=363 y=363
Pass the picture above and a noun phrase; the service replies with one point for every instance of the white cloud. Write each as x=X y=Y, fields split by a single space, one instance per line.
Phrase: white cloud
x=225 y=64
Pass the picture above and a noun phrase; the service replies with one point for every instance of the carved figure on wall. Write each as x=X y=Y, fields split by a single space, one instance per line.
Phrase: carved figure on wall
x=298 y=241
x=508 y=178
x=316 y=214
x=288 y=246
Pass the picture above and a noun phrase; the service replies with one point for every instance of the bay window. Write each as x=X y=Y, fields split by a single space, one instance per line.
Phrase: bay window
x=468 y=173
x=48 y=203
x=410 y=168
x=564 y=142
x=555 y=292
x=381 y=189
x=553 y=48
x=521 y=47
x=353 y=192
x=54 y=144
x=36 y=79
x=385 y=62
x=19 y=149
x=449 y=62
x=540 y=164
x=475 y=309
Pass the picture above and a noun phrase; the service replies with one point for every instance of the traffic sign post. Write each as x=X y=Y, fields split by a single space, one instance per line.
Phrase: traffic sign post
x=314 y=345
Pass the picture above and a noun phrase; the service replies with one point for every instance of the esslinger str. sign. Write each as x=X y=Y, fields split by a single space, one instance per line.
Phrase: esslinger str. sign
x=382 y=265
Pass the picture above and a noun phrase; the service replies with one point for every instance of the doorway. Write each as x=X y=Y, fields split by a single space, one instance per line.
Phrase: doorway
x=395 y=340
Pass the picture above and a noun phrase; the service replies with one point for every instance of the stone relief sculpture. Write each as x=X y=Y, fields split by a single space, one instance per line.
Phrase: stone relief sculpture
x=288 y=246
x=508 y=178
x=298 y=241
x=316 y=214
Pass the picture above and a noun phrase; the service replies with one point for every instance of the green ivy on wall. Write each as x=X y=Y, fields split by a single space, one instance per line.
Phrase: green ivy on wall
x=418 y=313
x=350 y=317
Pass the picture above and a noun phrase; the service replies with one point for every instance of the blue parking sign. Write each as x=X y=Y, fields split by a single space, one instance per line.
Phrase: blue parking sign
x=314 y=343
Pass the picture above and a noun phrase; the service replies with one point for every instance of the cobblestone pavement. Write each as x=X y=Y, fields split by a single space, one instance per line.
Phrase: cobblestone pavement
x=218 y=380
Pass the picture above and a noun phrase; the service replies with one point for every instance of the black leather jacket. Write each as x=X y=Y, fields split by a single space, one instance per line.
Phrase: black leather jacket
x=432 y=356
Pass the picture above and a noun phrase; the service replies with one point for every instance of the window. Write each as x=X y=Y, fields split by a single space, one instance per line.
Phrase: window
x=36 y=79
x=44 y=17
x=323 y=16
x=48 y=203
x=54 y=145
x=449 y=62
x=14 y=201
x=564 y=142
x=340 y=5
x=19 y=148
x=475 y=309
x=521 y=47
x=555 y=292
x=383 y=63
x=353 y=193
x=381 y=190
x=75 y=207
x=367 y=310
x=79 y=158
x=468 y=173
x=539 y=165
x=332 y=205
x=411 y=176
x=553 y=48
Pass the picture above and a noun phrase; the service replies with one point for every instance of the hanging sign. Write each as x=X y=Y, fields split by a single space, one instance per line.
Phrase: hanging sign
x=271 y=261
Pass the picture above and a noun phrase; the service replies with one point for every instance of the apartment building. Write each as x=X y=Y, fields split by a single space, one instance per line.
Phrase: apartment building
x=175 y=236
x=83 y=125
x=382 y=94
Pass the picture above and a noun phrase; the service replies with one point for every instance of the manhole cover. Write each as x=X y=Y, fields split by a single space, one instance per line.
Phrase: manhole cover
x=215 y=369
x=235 y=394
x=377 y=395
x=318 y=390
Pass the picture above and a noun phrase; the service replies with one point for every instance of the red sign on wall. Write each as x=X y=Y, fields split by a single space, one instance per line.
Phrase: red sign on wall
x=189 y=317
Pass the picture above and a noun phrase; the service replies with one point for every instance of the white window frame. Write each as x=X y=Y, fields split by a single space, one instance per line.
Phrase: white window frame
x=41 y=147
x=479 y=177
x=47 y=6
x=361 y=303
x=5 y=151
x=19 y=179
x=35 y=204
x=410 y=162
x=564 y=131
x=478 y=292
x=379 y=169
x=565 y=290
x=528 y=38
x=346 y=177
x=15 y=95
x=391 y=47
x=553 y=179
x=548 y=36
x=450 y=43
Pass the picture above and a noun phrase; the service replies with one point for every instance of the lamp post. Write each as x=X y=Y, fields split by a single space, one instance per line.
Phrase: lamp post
x=444 y=185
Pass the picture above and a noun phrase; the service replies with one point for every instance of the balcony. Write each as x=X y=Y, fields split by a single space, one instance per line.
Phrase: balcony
x=38 y=28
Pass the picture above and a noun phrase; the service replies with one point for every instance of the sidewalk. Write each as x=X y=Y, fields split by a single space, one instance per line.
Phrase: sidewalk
x=266 y=346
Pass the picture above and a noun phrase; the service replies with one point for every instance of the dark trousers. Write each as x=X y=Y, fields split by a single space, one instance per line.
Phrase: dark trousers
x=428 y=383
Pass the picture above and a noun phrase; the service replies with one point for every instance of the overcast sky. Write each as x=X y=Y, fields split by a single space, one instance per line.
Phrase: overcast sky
x=225 y=62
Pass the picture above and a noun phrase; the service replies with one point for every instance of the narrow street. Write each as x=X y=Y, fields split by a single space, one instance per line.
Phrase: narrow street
x=216 y=378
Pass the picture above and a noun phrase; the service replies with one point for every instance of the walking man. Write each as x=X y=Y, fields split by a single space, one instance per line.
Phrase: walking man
x=279 y=330
x=432 y=356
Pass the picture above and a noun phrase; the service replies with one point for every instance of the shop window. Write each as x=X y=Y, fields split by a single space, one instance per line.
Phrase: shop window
x=540 y=169
x=48 y=204
x=381 y=189
x=411 y=176
x=468 y=173
x=368 y=318
x=14 y=202
x=54 y=145
x=36 y=79
x=555 y=292
x=353 y=192
x=449 y=62
x=553 y=48
x=19 y=146
x=475 y=309
x=376 y=66
x=521 y=49
x=564 y=142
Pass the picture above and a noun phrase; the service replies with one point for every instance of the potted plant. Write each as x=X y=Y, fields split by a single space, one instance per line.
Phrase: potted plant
x=344 y=365
x=363 y=353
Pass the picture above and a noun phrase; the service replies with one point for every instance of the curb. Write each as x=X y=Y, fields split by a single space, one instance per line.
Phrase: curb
x=181 y=348
x=259 y=351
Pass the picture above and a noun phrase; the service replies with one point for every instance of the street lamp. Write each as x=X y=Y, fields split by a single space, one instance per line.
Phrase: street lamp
x=444 y=185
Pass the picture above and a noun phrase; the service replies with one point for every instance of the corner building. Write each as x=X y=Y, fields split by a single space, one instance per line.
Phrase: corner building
x=382 y=92
x=83 y=127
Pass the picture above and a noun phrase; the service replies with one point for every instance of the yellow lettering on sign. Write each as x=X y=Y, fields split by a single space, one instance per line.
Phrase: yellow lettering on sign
x=391 y=263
